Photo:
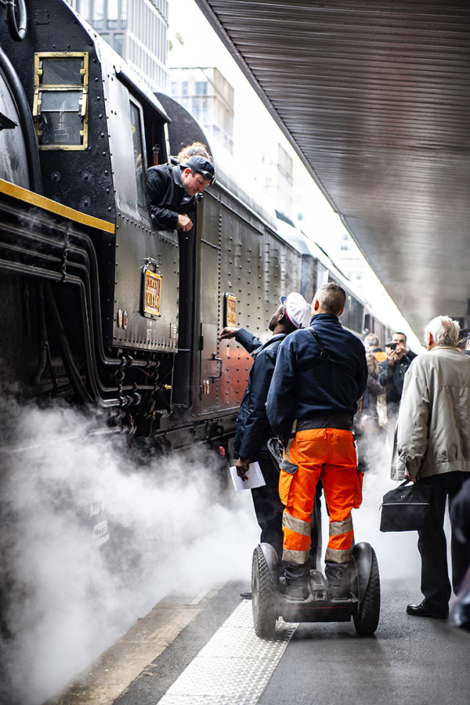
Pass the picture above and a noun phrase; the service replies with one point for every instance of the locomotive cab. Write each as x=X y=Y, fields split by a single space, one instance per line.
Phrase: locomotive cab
x=96 y=130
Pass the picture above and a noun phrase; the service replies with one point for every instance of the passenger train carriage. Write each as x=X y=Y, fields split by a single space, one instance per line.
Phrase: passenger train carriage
x=98 y=305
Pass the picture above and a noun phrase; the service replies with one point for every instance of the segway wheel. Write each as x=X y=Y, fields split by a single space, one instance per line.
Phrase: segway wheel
x=366 y=619
x=264 y=600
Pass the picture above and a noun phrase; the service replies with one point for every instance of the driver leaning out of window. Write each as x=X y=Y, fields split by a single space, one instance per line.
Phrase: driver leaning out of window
x=172 y=191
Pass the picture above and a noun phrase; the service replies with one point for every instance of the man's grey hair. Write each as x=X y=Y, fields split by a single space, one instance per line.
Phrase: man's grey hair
x=444 y=330
x=372 y=340
x=331 y=297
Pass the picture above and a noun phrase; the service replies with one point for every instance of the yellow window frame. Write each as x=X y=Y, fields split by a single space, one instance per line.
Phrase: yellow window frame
x=40 y=89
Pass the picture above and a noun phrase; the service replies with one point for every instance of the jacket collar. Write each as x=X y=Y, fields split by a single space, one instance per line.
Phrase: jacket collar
x=444 y=347
x=177 y=176
x=324 y=317
x=279 y=336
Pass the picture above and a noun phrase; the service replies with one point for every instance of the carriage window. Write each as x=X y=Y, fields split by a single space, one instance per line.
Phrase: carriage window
x=60 y=100
x=138 y=152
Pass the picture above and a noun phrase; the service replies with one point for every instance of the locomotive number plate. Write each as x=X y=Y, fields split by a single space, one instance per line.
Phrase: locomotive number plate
x=152 y=293
x=230 y=310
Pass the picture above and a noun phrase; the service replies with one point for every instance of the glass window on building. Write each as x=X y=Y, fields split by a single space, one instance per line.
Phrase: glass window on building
x=119 y=43
x=195 y=107
x=98 y=14
x=205 y=111
x=184 y=88
x=201 y=87
x=83 y=7
x=112 y=14
x=123 y=14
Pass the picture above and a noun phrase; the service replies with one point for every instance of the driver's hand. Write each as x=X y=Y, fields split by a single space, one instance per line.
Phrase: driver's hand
x=184 y=223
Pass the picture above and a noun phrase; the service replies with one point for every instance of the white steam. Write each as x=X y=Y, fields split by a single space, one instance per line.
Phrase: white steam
x=159 y=525
x=168 y=522
x=397 y=553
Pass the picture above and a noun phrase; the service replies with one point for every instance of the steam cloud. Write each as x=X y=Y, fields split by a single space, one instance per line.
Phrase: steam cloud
x=397 y=553
x=66 y=598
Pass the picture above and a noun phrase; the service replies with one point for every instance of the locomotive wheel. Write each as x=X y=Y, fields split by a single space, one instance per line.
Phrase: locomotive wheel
x=366 y=618
x=264 y=600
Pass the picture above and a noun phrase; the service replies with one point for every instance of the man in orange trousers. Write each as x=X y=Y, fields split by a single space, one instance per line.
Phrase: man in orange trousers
x=320 y=374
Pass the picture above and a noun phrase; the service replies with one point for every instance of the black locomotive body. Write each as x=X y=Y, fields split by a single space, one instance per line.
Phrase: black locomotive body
x=97 y=303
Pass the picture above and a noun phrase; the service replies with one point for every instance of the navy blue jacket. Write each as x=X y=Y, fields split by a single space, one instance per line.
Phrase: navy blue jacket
x=167 y=195
x=253 y=430
x=305 y=385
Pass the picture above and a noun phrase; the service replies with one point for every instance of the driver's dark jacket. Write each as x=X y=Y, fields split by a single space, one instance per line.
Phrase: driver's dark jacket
x=253 y=430
x=167 y=195
x=305 y=386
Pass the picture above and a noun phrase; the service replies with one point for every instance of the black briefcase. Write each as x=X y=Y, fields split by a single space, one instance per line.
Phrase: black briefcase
x=407 y=508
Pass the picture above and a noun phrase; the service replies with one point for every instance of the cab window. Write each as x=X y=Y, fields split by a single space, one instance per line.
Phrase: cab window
x=138 y=154
x=60 y=107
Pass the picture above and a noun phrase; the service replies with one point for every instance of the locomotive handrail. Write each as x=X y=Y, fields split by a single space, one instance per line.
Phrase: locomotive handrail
x=220 y=362
x=17 y=27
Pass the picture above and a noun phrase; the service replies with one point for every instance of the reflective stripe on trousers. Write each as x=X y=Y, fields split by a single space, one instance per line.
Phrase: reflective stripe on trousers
x=331 y=454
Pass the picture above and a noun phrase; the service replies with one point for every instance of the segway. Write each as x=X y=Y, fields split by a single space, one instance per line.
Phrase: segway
x=270 y=602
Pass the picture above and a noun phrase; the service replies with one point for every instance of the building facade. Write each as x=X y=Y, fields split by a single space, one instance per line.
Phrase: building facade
x=137 y=30
x=209 y=97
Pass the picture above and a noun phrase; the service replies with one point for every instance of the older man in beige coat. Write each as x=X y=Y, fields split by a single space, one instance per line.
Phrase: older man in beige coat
x=433 y=446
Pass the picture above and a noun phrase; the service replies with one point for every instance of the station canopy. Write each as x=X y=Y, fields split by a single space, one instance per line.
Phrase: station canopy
x=374 y=95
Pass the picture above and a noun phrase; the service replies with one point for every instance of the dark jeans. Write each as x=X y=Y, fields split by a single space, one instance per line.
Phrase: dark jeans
x=432 y=545
x=268 y=506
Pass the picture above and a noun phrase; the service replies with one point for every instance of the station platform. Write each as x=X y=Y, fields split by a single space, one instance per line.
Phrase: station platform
x=202 y=650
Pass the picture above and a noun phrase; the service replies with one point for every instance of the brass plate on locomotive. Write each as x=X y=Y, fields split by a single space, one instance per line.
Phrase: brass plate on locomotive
x=152 y=294
x=230 y=310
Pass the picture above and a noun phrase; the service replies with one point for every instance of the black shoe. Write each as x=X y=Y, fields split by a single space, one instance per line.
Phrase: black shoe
x=421 y=611
x=296 y=592
x=246 y=595
x=339 y=592
x=338 y=576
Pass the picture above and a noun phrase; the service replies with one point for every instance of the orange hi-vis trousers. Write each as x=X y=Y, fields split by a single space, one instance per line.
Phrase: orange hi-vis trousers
x=328 y=453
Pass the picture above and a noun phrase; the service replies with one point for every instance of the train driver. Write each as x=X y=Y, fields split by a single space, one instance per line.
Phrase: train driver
x=172 y=191
x=320 y=375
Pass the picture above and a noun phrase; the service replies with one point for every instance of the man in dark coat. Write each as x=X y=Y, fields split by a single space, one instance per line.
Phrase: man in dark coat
x=172 y=191
x=392 y=373
x=253 y=429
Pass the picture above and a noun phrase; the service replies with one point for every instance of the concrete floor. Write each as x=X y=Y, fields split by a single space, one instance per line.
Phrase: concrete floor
x=409 y=661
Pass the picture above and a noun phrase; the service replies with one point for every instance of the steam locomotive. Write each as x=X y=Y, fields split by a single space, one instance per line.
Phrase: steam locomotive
x=98 y=305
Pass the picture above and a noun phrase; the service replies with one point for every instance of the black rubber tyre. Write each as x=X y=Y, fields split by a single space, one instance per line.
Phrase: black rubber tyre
x=366 y=618
x=264 y=599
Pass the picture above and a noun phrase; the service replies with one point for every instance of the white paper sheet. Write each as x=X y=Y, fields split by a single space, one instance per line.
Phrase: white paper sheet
x=254 y=474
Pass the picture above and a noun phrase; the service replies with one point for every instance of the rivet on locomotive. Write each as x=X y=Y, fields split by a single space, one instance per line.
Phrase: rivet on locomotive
x=99 y=306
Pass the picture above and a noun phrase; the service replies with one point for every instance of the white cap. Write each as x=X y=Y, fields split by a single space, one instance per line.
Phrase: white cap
x=297 y=310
